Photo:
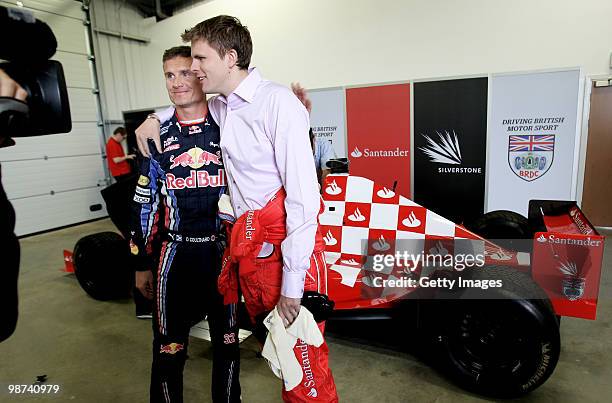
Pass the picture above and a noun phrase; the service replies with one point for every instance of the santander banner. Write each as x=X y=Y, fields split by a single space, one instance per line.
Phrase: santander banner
x=378 y=134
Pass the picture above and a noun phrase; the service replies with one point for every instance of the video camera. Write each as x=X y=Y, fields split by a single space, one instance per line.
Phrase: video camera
x=27 y=45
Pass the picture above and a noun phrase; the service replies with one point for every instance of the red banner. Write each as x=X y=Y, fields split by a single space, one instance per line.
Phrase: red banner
x=378 y=134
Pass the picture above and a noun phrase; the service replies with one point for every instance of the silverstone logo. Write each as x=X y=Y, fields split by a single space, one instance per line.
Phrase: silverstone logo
x=446 y=150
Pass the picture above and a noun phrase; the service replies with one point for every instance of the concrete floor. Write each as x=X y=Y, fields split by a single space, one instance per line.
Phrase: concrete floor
x=98 y=352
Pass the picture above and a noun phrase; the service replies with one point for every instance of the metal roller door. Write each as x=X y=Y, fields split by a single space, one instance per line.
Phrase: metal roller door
x=54 y=180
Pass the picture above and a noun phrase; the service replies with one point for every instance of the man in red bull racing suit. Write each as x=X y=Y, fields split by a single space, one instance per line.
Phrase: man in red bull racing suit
x=187 y=179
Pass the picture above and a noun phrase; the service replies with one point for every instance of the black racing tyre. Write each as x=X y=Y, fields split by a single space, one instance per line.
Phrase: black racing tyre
x=500 y=342
x=506 y=228
x=101 y=265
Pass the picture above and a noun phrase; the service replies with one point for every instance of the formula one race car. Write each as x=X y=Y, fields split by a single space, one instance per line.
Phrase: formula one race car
x=484 y=314
x=493 y=326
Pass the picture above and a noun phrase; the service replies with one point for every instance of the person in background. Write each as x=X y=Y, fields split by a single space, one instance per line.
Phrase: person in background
x=117 y=159
x=323 y=151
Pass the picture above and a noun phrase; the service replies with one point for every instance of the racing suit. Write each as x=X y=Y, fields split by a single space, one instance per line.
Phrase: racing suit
x=188 y=176
x=260 y=276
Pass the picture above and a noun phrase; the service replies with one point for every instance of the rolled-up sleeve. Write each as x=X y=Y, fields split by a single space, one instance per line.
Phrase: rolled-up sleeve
x=165 y=115
x=289 y=122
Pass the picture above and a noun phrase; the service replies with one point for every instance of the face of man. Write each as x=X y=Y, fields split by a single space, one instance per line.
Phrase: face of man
x=119 y=137
x=211 y=69
x=182 y=84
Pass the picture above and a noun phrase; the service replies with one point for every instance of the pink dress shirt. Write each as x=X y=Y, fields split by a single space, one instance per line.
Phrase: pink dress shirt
x=265 y=146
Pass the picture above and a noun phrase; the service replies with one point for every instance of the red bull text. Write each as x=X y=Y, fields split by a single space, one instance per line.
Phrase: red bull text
x=196 y=179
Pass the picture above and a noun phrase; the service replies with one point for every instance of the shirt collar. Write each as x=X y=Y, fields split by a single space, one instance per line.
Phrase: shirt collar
x=245 y=92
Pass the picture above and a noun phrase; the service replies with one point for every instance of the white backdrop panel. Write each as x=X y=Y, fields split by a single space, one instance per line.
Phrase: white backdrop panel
x=328 y=118
x=534 y=104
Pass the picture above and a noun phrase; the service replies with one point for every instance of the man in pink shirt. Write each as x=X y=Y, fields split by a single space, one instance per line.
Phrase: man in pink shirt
x=266 y=149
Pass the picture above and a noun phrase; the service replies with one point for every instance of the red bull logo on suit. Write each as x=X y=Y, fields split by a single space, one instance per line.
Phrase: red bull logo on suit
x=171 y=348
x=195 y=158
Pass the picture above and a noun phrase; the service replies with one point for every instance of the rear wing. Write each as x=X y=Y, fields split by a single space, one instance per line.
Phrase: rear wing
x=567 y=256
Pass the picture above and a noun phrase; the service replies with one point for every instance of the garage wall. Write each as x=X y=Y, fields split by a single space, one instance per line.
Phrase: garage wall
x=326 y=43
x=119 y=60
x=53 y=180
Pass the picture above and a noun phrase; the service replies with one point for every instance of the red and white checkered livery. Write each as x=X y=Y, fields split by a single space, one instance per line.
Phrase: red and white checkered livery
x=363 y=219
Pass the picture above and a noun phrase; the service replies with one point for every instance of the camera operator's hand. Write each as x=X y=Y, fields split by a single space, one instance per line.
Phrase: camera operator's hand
x=149 y=129
x=144 y=283
x=9 y=88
